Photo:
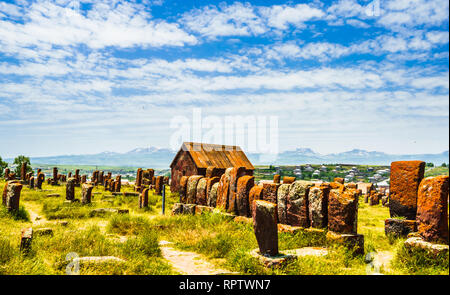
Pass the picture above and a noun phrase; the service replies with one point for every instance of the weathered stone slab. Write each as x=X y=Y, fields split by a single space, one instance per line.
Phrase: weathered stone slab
x=183 y=188
x=244 y=185
x=13 y=190
x=235 y=174
x=339 y=180
x=103 y=211
x=432 y=209
x=86 y=193
x=143 y=199
x=282 y=197
x=211 y=181
x=265 y=227
x=200 y=209
x=297 y=203
x=223 y=190
x=399 y=227
x=404 y=184
x=343 y=211
x=414 y=244
x=200 y=198
x=43 y=231
x=70 y=189
x=277 y=261
x=189 y=209
x=212 y=196
x=276 y=178
x=192 y=188
x=26 y=239
x=270 y=192
x=374 y=198
x=256 y=193
x=159 y=185
x=318 y=206
x=177 y=209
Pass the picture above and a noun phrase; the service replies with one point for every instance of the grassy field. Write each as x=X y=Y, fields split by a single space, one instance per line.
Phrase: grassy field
x=134 y=237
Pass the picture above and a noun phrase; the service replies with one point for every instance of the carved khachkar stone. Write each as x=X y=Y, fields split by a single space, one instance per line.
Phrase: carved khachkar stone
x=432 y=209
x=83 y=179
x=210 y=183
x=13 y=190
x=31 y=182
x=143 y=199
x=256 y=193
x=23 y=171
x=288 y=179
x=86 y=193
x=374 y=198
x=270 y=192
x=282 y=196
x=200 y=198
x=235 y=173
x=297 y=203
x=244 y=185
x=399 y=227
x=318 y=206
x=343 y=211
x=183 y=188
x=404 y=184
x=100 y=177
x=77 y=176
x=166 y=180
x=55 y=176
x=265 y=227
x=223 y=190
x=212 y=196
x=70 y=189
x=138 y=182
x=159 y=185
x=276 y=178
x=7 y=173
x=191 y=190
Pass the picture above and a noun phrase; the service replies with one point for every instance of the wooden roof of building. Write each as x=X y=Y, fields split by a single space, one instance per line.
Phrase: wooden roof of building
x=215 y=155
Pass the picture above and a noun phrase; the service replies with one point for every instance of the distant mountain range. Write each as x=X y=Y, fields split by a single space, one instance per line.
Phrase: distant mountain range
x=161 y=158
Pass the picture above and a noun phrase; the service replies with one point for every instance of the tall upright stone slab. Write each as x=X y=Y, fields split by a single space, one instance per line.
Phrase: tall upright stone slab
x=297 y=203
x=70 y=189
x=138 y=182
x=404 y=184
x=201 y=198
x=23 y=171
x=183 y=188
x=276 y=178
x=118 y=183
x=265 y=227
x=244 y=185
x=270 y=192
x=235 y=174
x=143 y=199
x=288 y=179
x=343 y=211
x=210 y=183
x=86 y=193
x=192 y=188
x=31 y=182
x=212 y=195
x=40 y=180
x=282 y=197
x=13 y=190
x=223 y=190
x=432 y=209
x=6 y=174
x=256 y=193
x=55 y=176
x=159 y=185
x=318 y=206
x=100 y=177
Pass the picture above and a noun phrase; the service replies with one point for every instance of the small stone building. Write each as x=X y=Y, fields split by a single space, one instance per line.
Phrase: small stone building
x=195 y=158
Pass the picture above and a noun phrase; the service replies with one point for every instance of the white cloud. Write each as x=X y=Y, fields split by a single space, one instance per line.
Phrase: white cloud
x=281 y=16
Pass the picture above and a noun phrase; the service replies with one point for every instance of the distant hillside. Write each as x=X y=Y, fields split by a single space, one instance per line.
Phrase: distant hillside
x=161 y=158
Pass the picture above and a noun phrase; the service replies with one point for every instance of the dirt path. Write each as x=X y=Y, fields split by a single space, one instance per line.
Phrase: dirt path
x=35 y=218
x=189 y=263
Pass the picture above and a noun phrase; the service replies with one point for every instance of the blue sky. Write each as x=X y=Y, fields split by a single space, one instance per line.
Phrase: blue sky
x=91 y=76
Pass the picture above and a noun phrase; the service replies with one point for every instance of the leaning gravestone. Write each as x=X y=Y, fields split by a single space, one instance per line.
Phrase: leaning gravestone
x=265 y=227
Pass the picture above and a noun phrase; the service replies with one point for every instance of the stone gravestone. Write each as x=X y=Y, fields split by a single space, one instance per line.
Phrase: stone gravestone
x=55 y=176
x=276 y=178
x=200 y=198
x=288 y=179
x=223 y=190
x=23 y=171
x=31 y=182
x=212 y=196
x=191 y=190
x=432 y=208
x=282 y=196
x=235 y=174
x=244 y=185
x=86 y=193
x=183 y=188
x=255 y=194
x=297 y=203
x=13 y=190
x=70 y=189
x=138 y=182
x=7 y=173
x=318 y=206
x=265 y=227
x=118 y=183
x=159 y=185
x=403 y=188
x=143 y=199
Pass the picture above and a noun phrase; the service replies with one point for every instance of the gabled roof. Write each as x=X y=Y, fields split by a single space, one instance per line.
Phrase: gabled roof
x=215 y=155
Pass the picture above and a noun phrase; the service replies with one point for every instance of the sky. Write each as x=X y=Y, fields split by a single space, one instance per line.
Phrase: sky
x=83 y=77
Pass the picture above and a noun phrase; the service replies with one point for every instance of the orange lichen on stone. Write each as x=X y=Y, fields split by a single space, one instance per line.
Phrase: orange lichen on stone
x=339 y=180
x=432 y=207
x=404 y=184
x=255 y=194
x=288 y=179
